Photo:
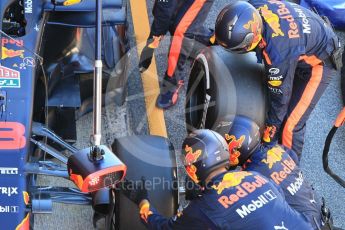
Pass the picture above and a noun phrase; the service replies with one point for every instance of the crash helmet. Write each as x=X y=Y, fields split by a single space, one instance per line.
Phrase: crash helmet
x=242 y=135
x=204 y=151
x=239 y=27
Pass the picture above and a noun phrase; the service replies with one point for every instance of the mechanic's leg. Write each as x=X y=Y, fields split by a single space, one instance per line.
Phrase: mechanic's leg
x=189 y=20
x=309 y=85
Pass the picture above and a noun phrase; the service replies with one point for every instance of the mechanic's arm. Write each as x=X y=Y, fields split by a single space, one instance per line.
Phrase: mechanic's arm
x=191 y=217
x=280 y=82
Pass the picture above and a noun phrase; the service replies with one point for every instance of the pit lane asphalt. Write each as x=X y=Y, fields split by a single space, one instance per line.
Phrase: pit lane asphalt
x=131 y=119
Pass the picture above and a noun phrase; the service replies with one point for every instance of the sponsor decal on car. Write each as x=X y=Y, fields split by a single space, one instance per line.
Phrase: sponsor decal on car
x=9 y=209
x=25 y=224
x=12 y=136
x=26 y=62
x=10 y=53
x=26 y=198
x=7 y=41
x=8 y=171
x=8 y=191
x=9 y=78
x=258 y=203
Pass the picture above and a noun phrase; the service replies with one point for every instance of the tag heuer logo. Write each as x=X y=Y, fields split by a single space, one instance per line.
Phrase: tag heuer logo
x=9 y=78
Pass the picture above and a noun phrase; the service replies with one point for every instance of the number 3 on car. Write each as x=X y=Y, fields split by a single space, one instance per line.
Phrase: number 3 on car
x=12 y=136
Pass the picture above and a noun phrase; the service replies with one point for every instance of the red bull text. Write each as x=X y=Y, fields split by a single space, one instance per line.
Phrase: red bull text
x=285 y=14
x=288 y=166
x=242 y=191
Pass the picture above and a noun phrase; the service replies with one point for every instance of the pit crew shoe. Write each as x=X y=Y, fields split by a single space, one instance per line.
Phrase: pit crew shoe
x=169 y=95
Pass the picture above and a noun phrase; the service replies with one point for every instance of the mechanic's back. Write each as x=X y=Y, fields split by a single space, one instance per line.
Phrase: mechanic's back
x=247 y=200
x=281 y=165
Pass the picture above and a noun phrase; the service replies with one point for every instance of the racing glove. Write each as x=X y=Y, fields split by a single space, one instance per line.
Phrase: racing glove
x=136 y=192
x=269 y=137
x=147 y=53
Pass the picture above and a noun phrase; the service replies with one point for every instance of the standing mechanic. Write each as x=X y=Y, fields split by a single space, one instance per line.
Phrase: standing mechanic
x=184 y=19
x=299 y=50
x=277 y=163
x=243 y=200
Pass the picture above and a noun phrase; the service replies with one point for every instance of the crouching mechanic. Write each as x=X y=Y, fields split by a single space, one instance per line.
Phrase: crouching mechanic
x=184 y=20
x=230 y=200
x=300 y=52
x=277 y=163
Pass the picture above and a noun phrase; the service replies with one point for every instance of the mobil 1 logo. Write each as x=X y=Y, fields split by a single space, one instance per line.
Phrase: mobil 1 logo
x=28 y=6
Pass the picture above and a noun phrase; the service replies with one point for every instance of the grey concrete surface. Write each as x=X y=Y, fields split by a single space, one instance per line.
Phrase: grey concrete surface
x=131 y=119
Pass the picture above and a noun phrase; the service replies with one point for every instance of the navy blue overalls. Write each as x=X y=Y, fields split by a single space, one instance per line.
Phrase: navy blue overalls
x=296 y=49
x=238 y=200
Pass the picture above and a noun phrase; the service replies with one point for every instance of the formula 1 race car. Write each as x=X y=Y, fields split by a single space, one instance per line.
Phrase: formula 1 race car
x=56 y=58
x=49 y=77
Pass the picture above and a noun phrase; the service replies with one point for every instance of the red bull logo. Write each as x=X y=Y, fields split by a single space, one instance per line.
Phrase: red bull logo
x=288 y=165
x=26 y=198
x=274 y=155
x=8 y=53
x=254 y=26
x=272 y=20
x=242 y=190
x=234 y=144
x=284 y=13
x=190 y=158
x=25 y=224
x=231 y=179
x=269 y=133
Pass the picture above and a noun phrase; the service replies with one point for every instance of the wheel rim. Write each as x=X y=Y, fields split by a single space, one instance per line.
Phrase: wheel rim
x=196 y=95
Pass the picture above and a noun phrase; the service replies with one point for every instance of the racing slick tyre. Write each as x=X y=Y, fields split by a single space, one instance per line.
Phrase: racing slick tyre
x=154 y=158
x=221 y=84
